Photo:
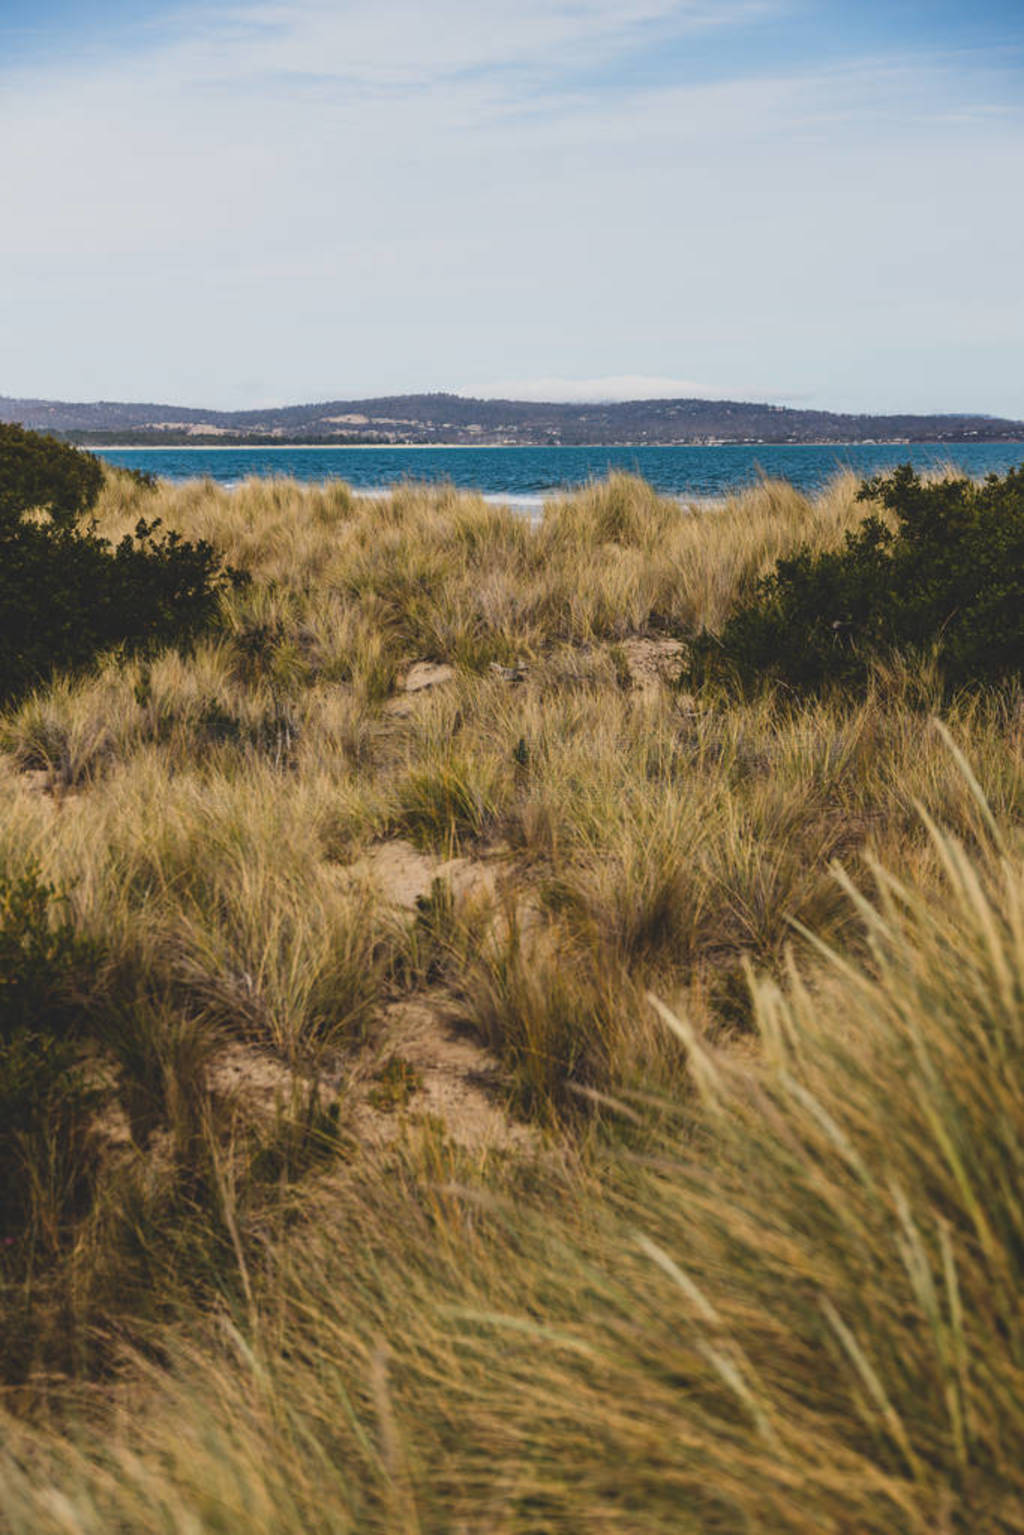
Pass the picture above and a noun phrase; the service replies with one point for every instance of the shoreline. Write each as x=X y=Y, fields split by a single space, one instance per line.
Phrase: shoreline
x=512 y=447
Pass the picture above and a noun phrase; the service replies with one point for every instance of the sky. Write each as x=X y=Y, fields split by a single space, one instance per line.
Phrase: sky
x=814 y=202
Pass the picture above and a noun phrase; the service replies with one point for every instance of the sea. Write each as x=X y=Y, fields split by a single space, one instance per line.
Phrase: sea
x=526 y=476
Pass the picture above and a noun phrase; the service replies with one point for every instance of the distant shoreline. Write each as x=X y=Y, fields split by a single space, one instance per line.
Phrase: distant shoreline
x=424 y=421
x=528 y=447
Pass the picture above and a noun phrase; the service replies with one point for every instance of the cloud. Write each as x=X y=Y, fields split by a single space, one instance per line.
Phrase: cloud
x=623 y=386
x=403 y=42
x=322 y=200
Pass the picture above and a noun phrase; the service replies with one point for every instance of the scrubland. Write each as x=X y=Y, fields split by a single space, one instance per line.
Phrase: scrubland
x=517 y=1093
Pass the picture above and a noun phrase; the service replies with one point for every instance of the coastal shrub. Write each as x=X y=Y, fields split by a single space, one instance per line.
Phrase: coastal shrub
x=37 y=472
x=66 y=594
x=944 y=578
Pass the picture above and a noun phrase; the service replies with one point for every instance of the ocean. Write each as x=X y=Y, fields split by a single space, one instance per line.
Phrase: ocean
x=526 y=475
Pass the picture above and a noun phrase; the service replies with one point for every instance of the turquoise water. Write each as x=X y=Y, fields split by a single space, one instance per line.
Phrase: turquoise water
x=527 y=473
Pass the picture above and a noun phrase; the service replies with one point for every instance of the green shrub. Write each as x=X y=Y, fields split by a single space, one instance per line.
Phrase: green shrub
x=65 y=593
x=39 y=473
x=947 y=581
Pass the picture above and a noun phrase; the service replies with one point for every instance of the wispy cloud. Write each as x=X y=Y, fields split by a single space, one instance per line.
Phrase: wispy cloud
x=595 y=391
x=405 y=42
x=315 y=200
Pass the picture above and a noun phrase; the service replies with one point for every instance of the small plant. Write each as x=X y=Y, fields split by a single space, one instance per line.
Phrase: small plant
x=42 y=961
x=305 y=1134
x=623 y=671
x=431 y=939
x=455 y=798
x=394 y=1085
x=559 y=1017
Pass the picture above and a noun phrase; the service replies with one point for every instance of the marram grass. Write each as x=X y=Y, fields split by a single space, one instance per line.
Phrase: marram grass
x=798 y=1309
x=753 y=971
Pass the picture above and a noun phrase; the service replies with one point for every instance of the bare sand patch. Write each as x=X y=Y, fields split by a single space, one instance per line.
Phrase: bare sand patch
x=451 y=1077
x=404 y=876
x=264 y=1081
x=418 y=1068
x=653 y=662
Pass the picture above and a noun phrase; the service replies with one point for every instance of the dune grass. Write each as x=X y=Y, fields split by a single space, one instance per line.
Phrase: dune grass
x=798 y=1310
x=753 y=968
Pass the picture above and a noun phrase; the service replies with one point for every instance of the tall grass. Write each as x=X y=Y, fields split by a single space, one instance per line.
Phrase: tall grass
x=759 y=1271
x=801 y=1314
x=449 y=577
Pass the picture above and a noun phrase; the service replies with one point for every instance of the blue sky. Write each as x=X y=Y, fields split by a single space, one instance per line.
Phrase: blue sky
x=800 y=200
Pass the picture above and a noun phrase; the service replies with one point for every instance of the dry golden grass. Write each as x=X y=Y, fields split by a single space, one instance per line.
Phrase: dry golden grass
x=442 y=574
x=772 y=1290
x=800 y=1315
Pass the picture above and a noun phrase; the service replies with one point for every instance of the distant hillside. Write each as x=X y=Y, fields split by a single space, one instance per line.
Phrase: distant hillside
x=440 y=418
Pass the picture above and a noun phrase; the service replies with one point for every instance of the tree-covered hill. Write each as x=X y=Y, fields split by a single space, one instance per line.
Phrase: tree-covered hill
x=425 y=418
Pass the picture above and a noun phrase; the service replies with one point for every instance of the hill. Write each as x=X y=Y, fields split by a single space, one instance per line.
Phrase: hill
x=451 y=418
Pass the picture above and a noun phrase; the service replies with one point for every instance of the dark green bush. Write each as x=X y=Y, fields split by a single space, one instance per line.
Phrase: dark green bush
x=65 y=593
x=947 y=581
x=38 y=472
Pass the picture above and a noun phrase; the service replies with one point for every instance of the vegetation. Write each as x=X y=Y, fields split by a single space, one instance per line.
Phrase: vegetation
x=943 y=578
x=469 y=1082
x=41 y=472
x=443 y=418
x=66 y=594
